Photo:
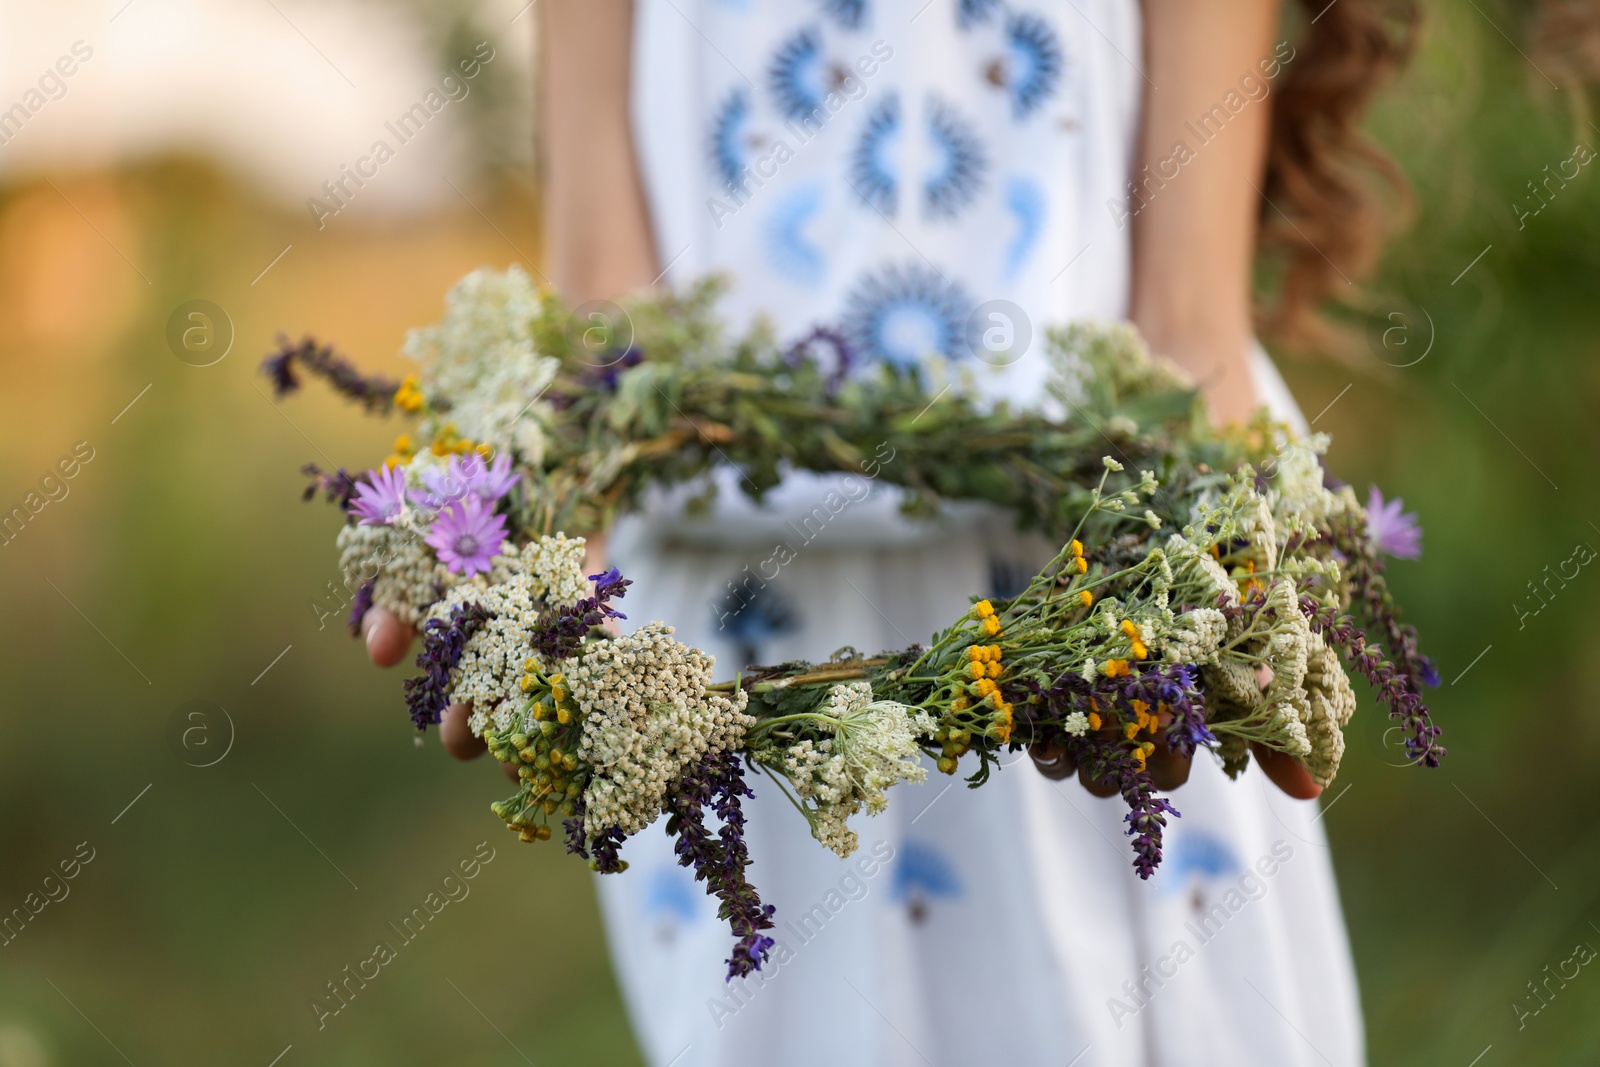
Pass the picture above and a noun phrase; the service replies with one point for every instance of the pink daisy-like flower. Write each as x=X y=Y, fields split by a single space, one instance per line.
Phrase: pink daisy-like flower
x=467 y=535
x=464 y=475
x=381 y=497
x=1393 y=532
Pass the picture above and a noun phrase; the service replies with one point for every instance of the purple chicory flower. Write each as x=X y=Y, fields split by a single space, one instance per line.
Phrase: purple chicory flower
x=467 y=535
x=465 y=475
x=381 y=497
x=1393 y=532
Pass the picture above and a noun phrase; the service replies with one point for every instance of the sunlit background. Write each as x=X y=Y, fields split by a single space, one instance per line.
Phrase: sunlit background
x=177 y=564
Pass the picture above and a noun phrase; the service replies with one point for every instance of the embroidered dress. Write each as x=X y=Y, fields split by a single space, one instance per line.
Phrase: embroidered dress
x=934 y=178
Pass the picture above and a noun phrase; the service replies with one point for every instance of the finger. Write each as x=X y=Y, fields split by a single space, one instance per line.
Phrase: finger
x=511 y=773
x=1053 y=761
x=1168 y=769
x=1286 y=772
x=387 y=637
x=1094 y=785
x=456 y=736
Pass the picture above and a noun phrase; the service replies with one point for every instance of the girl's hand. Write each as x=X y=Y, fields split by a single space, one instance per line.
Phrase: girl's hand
x=1169 y=770
x=388 y=640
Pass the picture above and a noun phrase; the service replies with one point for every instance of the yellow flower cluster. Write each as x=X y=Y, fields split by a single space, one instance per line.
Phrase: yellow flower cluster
x=448 y=441
x=409 y=397
x=1131 y=629
x=1145 y=722
x=1251 y=584
x=979 y=699
x=403 y=451
x=1077 y=557
x=987 y=618
x=545 y=757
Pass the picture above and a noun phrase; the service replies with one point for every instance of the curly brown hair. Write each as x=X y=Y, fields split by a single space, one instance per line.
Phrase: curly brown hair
x=1323 y=216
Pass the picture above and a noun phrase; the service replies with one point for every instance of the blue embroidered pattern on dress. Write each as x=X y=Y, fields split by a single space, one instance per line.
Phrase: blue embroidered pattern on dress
x=971 y=12
x=903 y=314
x=788 y=250
x=1033 y=62
x=1027 y=204
x=847 y=13
x=872 y=164
x=921 y=869
x=671 y=898
x=1198 y=855
x=798 y=76
x=728 y=126
x=959 y=162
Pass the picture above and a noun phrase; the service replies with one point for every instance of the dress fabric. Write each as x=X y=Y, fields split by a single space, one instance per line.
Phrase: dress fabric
x=967 y=153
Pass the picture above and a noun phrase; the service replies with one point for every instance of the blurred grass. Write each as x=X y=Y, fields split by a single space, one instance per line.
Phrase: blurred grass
x=206 y=922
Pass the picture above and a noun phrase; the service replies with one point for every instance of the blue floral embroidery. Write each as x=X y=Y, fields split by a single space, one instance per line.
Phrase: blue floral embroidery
x=922 y=874
x=971 y=12
x=920 y=866
x=670 y=900
x=728 y=128
x=847 y=13
x=872 y=168
x=790 y=253
x=957 y=174
x=1033 y=62
x=1027 y=204
x=1195 y=854
x=904 y=314
x=751 y=614
x=797 y=75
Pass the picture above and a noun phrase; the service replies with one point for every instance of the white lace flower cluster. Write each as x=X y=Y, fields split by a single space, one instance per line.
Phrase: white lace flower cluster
x=1307 y=695
x=523 y=583
x=871 y=745
x=557 y=563
x=1192 y=566
x=406 y=576
x=647 y=718
x=1196 y=637
x=1332 y=701
x=481 y=355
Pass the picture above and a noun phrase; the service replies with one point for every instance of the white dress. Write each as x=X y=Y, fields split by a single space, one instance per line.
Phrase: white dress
x=886 y=168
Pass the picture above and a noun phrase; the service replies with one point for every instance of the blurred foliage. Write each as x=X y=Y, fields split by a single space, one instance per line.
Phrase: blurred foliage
x=178 y=566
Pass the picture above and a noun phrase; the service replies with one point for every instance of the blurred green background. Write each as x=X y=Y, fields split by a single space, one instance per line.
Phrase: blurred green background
x=180 y=564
